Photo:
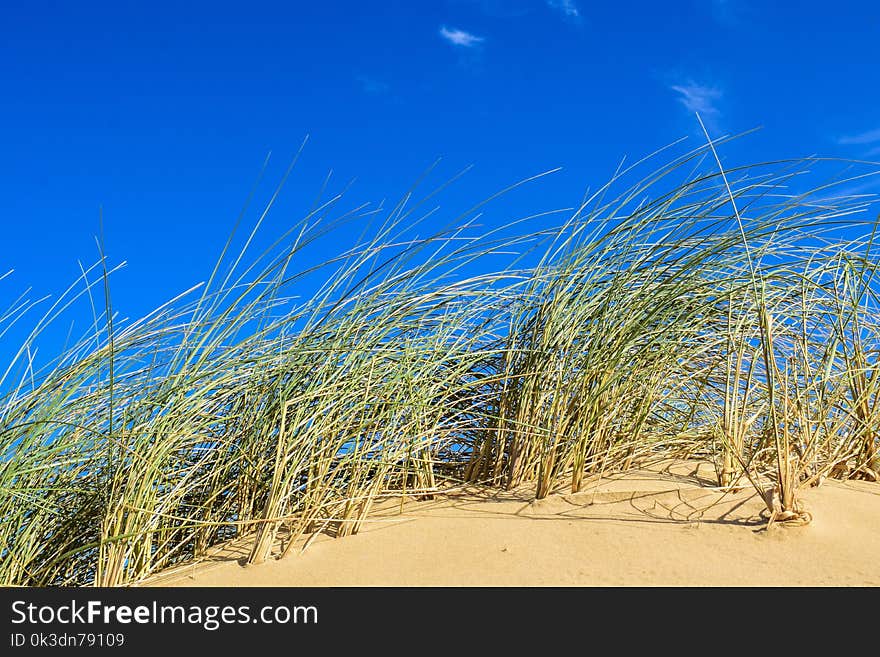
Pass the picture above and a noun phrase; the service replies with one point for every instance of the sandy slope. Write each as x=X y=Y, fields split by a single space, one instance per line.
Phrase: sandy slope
x=647 y=528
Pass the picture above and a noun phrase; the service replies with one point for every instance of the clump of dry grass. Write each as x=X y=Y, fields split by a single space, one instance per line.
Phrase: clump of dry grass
x=697 y=313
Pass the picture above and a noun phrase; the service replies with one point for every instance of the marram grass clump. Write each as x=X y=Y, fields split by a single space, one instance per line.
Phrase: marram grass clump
x=720 y=316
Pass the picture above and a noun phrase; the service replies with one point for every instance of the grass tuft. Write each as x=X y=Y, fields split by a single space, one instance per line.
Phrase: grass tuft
x=700 y=312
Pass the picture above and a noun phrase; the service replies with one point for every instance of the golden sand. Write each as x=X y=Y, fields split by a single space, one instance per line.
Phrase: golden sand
x=667 y=526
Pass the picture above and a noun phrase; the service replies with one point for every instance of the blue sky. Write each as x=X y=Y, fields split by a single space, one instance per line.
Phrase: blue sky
x=163 y=113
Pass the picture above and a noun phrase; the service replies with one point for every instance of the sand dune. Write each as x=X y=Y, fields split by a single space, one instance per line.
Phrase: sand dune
x=665 y=526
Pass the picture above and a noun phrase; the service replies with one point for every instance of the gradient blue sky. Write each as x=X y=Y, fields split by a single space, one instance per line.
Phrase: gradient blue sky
x=163 y=112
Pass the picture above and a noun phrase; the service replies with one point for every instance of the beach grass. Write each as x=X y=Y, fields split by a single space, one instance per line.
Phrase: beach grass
x=700 y=312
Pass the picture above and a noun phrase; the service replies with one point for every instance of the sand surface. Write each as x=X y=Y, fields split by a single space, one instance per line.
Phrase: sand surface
x=665 y=526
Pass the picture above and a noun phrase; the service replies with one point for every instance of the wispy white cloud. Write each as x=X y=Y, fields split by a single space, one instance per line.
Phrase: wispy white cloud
x=699 y=98
x=568 y=8
x=460 y=38
x=869 y=137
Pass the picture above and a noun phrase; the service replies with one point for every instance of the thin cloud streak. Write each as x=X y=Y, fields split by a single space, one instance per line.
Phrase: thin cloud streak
x=860 y=139
x=698 y=98
x=460 y=38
